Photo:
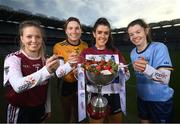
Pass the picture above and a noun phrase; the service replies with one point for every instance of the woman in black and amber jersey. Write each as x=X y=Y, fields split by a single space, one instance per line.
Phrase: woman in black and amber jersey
x=72 y=45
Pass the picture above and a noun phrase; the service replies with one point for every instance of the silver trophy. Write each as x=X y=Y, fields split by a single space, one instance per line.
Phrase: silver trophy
x=97 y=108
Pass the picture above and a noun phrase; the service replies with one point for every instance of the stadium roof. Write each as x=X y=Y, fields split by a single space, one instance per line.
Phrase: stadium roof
x=10 y=15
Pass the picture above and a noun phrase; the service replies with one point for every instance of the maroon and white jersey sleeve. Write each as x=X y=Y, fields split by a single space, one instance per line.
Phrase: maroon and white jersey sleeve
x=63 y=69
x=13 y=75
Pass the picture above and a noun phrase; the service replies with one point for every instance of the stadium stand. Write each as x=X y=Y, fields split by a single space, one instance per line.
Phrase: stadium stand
x=164 y=31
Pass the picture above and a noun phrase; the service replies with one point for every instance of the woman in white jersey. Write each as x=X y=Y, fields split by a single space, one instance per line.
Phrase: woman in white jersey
x=152 y=66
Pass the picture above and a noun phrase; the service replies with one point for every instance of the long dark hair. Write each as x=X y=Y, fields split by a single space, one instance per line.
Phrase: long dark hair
x=143 y=24
x=104 y=21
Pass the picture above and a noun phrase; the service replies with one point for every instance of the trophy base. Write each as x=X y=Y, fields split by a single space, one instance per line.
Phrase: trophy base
x=97 y=114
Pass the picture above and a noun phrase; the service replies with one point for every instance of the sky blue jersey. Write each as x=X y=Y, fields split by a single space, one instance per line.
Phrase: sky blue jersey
x=157 y=56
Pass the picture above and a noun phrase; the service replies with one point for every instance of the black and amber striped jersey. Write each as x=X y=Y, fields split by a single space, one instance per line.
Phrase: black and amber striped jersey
x=63 y=49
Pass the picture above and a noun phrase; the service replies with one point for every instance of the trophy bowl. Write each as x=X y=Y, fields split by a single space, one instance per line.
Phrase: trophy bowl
x=100 y=79
x=97 y=107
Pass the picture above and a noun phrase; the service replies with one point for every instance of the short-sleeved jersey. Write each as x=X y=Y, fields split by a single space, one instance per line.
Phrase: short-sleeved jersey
x=94 y=51
x=63 y=49
x=157 y=56
x=32 y=97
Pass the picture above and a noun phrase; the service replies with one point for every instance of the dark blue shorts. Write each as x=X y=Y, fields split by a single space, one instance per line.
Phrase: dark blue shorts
x=157 y=112
x=113 y=102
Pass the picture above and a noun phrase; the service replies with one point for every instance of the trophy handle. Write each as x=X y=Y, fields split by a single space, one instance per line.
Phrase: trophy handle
x=124 y=66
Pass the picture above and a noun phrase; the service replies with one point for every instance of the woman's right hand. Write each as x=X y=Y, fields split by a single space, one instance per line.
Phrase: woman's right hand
x=52 y=63
x=140 y=64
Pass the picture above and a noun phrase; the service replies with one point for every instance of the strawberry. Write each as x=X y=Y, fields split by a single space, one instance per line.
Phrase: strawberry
x=111 y=70
x=98 y=68
x=105 y=67
x=108 y=65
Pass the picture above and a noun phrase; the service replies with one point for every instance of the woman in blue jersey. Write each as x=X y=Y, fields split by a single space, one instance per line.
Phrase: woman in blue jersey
x=103 y=47
x=152 y=66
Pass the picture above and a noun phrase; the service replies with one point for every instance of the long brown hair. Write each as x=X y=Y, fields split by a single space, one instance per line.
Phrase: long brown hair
x=143 y=24
x=104 y=21
x=32 y=23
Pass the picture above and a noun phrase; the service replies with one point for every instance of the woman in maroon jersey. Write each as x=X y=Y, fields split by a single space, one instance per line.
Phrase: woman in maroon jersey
x=114 y=92
x=26 y=74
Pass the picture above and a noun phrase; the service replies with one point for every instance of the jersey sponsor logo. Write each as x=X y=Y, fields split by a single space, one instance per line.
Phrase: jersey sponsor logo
x=160 y=76
x=166 y=63
x=77 y=50
x=25 y=86
x=37 y=66
x=25 y=66
x=29 y=82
